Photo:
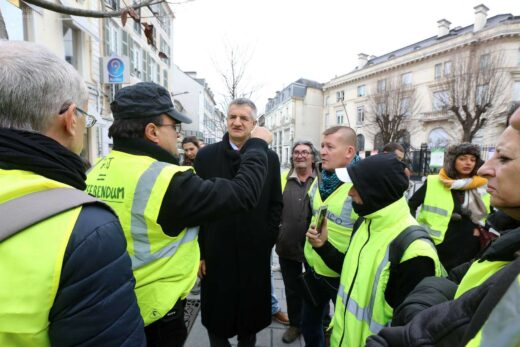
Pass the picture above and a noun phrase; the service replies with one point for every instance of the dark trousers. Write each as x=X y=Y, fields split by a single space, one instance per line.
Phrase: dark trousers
x=290 y=271
x=243 y=341
x=169 y=331
x=313 y=316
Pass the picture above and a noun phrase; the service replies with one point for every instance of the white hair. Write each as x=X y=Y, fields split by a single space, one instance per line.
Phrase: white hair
x=34 y=85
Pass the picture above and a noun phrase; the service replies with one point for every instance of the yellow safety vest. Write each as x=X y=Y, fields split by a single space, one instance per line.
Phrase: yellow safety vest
x=30 y=265
x=502 y=327
x=165 y=268
x=340 y=221
x=361 y=307
x=284 y=177
x=478 y=273
x=437 y=208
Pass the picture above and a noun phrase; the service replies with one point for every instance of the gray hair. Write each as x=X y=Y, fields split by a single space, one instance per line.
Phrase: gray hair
x=244 y=102
x=34 y=85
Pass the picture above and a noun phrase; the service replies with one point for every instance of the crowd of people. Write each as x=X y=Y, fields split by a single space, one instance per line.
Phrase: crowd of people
x=108 y=258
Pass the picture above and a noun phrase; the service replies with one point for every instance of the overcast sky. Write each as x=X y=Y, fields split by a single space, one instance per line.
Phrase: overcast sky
x=317 y=39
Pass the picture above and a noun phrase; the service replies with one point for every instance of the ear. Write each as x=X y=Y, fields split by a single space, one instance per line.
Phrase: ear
x=70 y=121
x=254 y=122
x=150 y=133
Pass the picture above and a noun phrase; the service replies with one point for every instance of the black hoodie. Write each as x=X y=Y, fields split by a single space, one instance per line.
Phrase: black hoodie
x=380 y=180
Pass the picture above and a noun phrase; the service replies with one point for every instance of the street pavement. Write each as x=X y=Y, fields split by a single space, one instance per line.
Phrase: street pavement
x=269 y=337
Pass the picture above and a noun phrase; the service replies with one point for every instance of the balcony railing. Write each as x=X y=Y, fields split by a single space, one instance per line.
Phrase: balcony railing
x=435 y=116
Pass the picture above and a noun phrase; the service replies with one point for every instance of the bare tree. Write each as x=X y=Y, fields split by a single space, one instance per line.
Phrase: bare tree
x=392 y=104
x=233 y=73
x=473 y=90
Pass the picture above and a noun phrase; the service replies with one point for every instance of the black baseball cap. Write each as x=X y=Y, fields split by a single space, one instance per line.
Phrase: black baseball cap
x=145 y=99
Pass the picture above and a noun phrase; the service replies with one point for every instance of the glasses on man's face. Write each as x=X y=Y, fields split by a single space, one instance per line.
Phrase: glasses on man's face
x=301 y=154
x=176 y=127
x=90 y=120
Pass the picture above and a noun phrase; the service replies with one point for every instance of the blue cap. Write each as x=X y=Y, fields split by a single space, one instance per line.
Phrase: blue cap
x=145 y=99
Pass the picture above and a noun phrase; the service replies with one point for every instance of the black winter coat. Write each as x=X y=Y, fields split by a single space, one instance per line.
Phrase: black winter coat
x=236 y=291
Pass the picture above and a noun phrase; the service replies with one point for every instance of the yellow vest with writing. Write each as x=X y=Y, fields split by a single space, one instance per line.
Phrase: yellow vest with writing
x=340 y=221
x=30 y=265
x=165 y=268
x=361 y=307
x=437 y=208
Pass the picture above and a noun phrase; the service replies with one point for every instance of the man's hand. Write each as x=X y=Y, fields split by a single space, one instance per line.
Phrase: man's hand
x=202 y=269
x=317 y=239
x=262 y=133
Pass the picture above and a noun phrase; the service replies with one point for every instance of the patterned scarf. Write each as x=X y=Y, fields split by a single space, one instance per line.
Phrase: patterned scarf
x=463 y=183
x=329 y=183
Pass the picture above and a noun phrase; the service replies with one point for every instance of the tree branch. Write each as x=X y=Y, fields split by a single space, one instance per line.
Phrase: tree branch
x=86 y=13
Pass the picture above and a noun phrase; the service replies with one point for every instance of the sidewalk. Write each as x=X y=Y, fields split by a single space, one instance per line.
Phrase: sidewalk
x=269 y=337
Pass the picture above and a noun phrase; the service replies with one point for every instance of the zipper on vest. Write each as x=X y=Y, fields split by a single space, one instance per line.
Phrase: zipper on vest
x=352 y=284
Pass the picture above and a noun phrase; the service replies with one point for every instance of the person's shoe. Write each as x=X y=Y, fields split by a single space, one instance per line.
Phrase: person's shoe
x=281 y=317
x=291 y=335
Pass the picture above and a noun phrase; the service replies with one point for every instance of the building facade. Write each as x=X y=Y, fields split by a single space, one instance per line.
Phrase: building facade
x=294 y=114
x=421 y=72
x=198 y=103
x=84 y=42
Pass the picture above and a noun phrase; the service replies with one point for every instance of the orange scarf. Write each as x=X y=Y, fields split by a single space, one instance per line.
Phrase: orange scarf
x=463 y=183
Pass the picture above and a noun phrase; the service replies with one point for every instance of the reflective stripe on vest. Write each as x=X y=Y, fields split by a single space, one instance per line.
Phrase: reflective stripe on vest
x=142 y=248
x=502 y=328
x=165 y=267
x=30 y=265
x=438 y=206
x=340 y=221
x=361 y=307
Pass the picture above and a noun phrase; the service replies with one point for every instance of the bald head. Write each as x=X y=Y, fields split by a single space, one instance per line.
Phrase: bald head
x=346 y=134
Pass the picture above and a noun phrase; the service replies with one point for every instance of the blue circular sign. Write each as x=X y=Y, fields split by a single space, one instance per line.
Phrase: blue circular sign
x=115 y=68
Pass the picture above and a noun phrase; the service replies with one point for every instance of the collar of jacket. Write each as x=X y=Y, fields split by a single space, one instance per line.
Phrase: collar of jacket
x=390 y=214
x=147 y=148
x=505 y=248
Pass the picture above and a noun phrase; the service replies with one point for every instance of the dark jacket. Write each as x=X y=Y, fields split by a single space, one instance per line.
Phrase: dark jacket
x=95 y=304
x=295 y=216
x=236 y=291
x=455 y=322
x=459 y=232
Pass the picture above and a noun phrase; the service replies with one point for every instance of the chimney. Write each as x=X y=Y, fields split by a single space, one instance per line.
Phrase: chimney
x=362 y=60
x=444 y=27
x=480 y=17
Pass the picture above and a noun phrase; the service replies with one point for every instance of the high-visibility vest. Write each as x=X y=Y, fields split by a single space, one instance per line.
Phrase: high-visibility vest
x=30 y=264
x=478 y=273
x=284 y=177
x=340 y=221
x=164 y=267
x=502 y=327
x=361 y=307
x=437 y=208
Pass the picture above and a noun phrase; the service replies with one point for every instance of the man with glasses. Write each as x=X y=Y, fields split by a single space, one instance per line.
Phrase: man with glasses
x=67 y=279
x=160 y=204
x=236 y=250
x=295 y=220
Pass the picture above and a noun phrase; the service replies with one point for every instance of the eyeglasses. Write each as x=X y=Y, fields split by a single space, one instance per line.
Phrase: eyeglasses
x=176 y=127
x=301 y=154
x=90 y=120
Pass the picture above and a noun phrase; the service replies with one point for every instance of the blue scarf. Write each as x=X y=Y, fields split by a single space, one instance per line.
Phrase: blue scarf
x=329 y=183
